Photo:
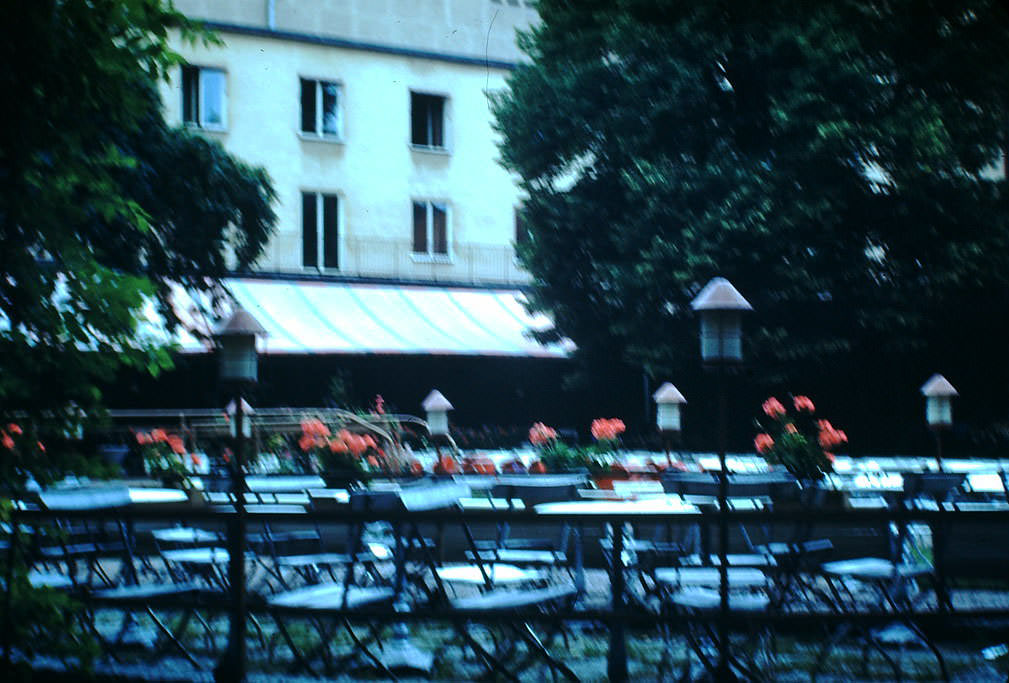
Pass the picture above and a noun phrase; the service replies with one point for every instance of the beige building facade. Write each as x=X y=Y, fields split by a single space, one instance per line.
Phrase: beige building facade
x=373 y=120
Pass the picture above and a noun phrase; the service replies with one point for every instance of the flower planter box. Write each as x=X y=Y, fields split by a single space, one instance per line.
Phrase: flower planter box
x=341 y=479
x=605 y=480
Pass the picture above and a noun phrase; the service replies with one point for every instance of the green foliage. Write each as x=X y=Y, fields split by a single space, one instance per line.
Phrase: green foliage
x=102 y=205
x=798 y=441
x=49 y=622
x=557 y=456
x=828 y=158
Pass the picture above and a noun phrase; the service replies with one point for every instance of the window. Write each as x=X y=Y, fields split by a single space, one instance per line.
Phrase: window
x=320 y=108
x=319 y=230
x=427 y=120
x=430 y=228
x=203 y=97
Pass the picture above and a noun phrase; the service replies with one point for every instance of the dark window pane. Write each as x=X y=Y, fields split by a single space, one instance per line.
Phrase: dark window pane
x=436 y=112
x=420 y=227
x=418 y=119
x=440 y=229
x=190 y=94
x=307 y=106
x=309 y=231
x=330 y=233
x=330 y=111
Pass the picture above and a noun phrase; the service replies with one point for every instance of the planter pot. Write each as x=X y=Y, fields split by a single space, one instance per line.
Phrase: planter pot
x=606 y=479
x=196 y=497
x=341 y=479
x=812 y=494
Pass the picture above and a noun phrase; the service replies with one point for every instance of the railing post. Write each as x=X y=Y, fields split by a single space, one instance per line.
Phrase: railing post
x=231 y=668
x=723 y=673
x=617 y=665
x=9 y=592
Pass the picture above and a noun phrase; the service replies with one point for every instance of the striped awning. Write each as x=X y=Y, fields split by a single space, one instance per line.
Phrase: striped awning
x=305 y=317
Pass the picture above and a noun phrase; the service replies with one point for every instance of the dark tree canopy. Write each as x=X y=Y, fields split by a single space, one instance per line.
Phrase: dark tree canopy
x=102 y=205
x=833 y=160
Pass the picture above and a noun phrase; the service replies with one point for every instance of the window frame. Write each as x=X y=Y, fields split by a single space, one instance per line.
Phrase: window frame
x=444 y=148
x=320 y=230
x=200 y=91
x=431 y=256
x=318 y=133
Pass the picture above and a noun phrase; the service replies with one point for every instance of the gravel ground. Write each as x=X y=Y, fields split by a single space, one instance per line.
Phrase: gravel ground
x=585 y=653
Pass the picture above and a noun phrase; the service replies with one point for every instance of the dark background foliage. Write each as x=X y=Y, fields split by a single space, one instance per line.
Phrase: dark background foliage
x=833 y=160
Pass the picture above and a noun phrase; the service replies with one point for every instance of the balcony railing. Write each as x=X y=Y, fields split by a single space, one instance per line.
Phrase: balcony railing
x=472 y=263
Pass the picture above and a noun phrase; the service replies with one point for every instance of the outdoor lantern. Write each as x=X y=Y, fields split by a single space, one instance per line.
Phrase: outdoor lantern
x=437 y=407
x=668 y=400
x=236 y=340
x=939 y=395
x=720 y=306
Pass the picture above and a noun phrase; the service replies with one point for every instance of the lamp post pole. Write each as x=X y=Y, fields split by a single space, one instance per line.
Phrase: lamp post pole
x=239 y=369
x=720 y=307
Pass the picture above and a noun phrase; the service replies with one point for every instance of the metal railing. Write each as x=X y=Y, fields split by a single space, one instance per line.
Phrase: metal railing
x=618 y=617
x=469 y=262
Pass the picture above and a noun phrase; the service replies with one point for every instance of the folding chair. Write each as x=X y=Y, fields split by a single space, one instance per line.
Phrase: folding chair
x=297 y=556
x=690 y=596
x=509 y=583
x=77 y=548
x=124 y=591
x=891 y=582
x=539 y=551
x=326 y=605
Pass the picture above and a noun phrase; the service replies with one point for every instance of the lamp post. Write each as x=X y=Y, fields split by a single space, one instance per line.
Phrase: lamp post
x=721 y=306
x=437 y=406
x=238 y=365
x=668 y=402
x=938 y=393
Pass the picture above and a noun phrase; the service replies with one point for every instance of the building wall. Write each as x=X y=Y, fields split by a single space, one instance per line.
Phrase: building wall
x=396 y=46
x=474 y=28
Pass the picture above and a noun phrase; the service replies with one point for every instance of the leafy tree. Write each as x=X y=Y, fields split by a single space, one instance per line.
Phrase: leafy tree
x=833 y=160
x=102 y=205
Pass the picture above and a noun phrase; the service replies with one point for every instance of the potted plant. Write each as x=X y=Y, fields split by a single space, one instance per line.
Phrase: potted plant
x=165 y=458
x=552 y=454
x=603 y=462
x=342 y=457
x=798 y=441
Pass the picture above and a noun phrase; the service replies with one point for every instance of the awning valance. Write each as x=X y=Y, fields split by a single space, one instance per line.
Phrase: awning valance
x=357 y=318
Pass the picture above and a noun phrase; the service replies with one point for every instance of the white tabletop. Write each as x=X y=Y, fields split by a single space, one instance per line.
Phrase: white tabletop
x=668 y=504
x=497 y=573
x=143 y=496
x=338 y=496
x=198 y=555
x=285 y=484
x=181 y=534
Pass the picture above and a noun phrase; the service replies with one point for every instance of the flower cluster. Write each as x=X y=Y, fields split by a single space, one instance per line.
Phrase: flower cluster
x=608 y=430
x=165 y=457
x=554 y=454
x=540 y=434
x=800 y=444
x=344 y=450
x=8 y=434
x=22 y=456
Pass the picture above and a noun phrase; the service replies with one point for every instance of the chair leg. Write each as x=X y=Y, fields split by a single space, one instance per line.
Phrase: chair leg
x=170 y=635
x=295 y=651
x=489 y=659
